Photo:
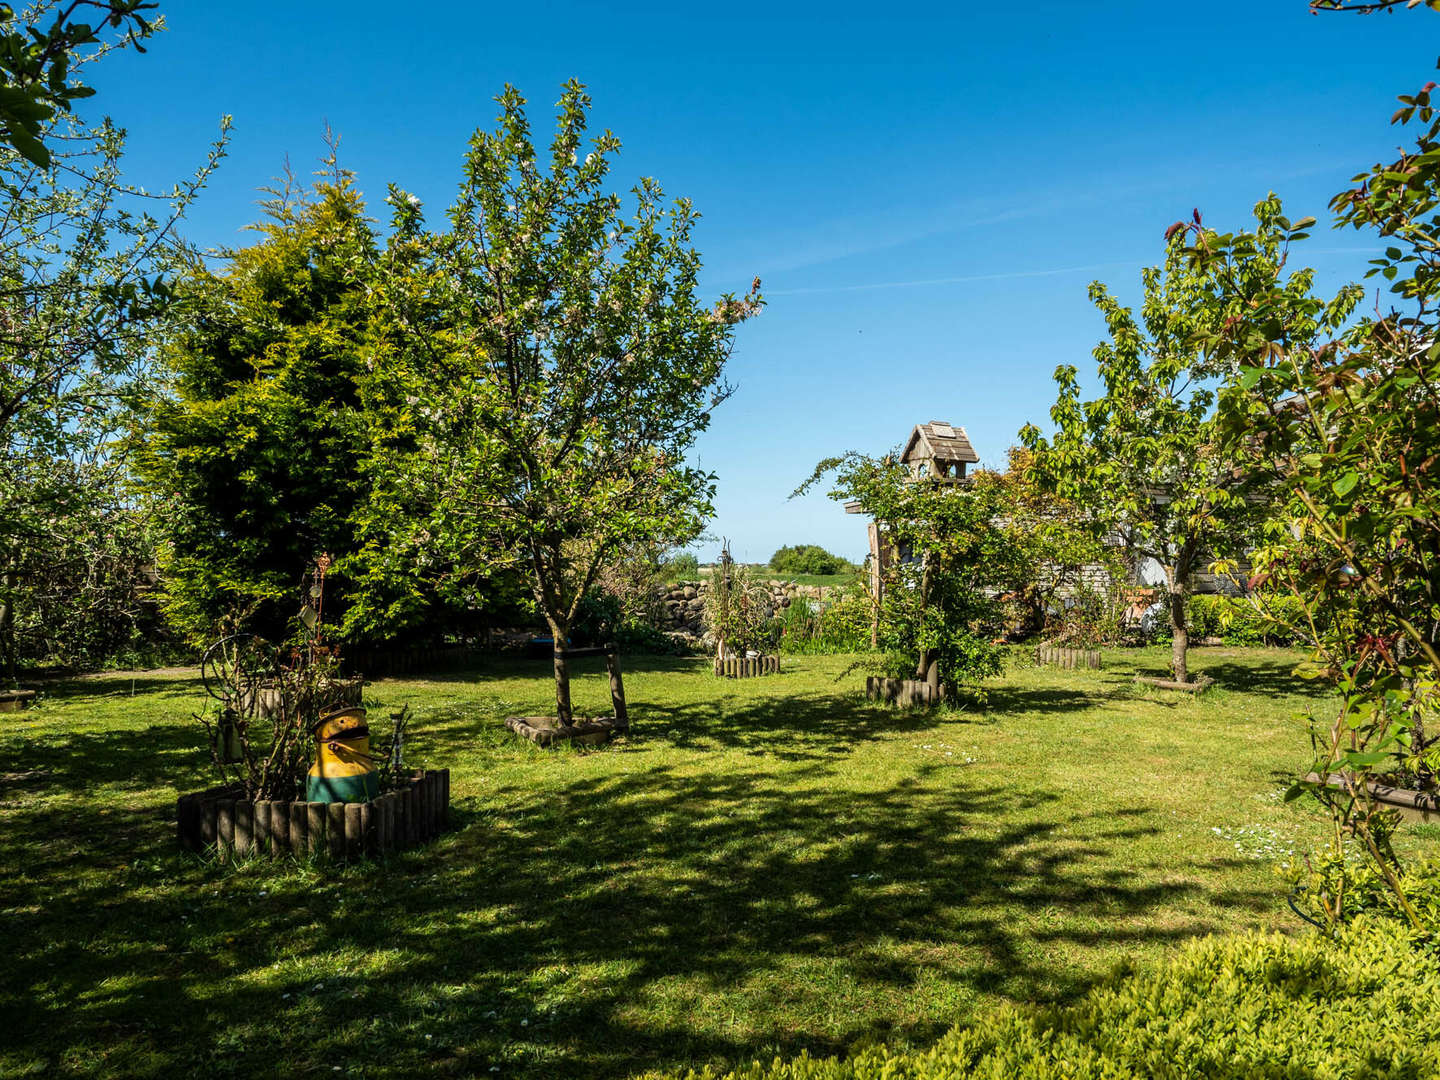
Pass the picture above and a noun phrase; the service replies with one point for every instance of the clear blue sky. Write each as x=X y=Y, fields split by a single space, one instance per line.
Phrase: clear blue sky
x=925 y=190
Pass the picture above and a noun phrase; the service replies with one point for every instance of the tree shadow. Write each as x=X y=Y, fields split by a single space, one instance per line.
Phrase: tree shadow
x=603 y=926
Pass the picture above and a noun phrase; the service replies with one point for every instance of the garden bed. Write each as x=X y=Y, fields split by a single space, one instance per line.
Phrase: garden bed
x=1056 y=656
x=906 y=691
x=223 y=820
x=746 y=667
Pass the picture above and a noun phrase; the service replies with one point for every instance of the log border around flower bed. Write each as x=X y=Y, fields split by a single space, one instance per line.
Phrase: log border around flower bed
x=743 y=667
x=905 y=691
x=1067 y=658
x=221 y=819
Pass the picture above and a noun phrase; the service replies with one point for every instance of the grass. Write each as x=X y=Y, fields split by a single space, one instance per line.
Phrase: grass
x=765 y=865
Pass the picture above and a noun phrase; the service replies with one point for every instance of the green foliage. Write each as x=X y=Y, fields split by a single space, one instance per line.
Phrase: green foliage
x=1262 y=620
x=1090 y=616
x=808 y=559
x=1145 y=460
x=1340 y=421
x=682 y=567
x=738 y=611
x=39 y=55
x=1059 y=552
x=83 y=259
x=1227 y=1008
x=839 y=627
x=949 y=556
x=551 y=366
x=256 y=454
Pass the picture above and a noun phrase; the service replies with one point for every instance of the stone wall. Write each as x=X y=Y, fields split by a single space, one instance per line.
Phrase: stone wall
x=682 y=605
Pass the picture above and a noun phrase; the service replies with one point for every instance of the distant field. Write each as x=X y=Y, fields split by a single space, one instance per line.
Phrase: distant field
x=764 y=572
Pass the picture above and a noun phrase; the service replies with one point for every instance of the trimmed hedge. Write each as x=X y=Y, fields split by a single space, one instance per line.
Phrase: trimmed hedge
x=1232 y=1007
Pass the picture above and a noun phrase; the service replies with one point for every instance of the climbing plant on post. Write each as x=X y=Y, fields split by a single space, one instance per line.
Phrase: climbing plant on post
x=1144 y=459
x=555 y=362
x=950 y=558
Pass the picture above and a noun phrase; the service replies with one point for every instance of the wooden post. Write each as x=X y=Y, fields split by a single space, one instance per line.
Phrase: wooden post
x=279 y=827
x=244 y=818
x=617 y=690
x=209 y=823
x=225 y=828
x=187 y=822
x=260 y=839
x=355 y=814
x=314 y=828
x=445 y=797
x=299 y=828
x=367 y=828
x=402 y=828
x=335 y=829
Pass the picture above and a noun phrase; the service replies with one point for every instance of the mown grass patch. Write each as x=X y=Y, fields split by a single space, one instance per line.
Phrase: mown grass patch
x=766 y=866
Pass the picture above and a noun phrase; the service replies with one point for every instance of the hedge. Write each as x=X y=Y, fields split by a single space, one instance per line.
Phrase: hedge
x=1231 y=1007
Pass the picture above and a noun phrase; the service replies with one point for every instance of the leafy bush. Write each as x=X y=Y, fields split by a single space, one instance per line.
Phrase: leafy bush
x=1231 y=1007
x=808 y=559
x=738 y=611
x=842 y=627
x=682 y=567
x=1088 y=618
x=1238 y=621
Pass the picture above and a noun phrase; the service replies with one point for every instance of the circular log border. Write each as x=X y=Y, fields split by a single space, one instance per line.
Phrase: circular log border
x=223 y=821
x=741 y=667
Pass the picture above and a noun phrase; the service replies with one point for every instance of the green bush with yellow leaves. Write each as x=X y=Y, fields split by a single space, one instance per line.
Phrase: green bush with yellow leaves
x=1237 y=1007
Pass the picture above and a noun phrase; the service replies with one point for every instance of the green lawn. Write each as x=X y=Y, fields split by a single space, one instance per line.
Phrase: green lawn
x=764 y=866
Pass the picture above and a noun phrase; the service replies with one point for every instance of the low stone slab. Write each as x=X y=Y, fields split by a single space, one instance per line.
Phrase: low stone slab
x=15 y=700
x=1203 y=682
x=548 y=731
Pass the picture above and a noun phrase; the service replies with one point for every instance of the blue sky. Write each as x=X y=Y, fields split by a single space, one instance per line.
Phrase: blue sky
x=925 y=191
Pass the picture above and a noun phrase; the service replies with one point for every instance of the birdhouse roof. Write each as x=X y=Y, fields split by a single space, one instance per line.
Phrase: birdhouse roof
x=939 y=441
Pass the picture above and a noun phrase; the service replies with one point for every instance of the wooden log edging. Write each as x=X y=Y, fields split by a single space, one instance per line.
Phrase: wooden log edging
x=1199 y=684
x=546 y=731
x=742 y=667
x=905 y=691
x=222 y=820
x=16 y=700
x=1067 y=658
x=1411 y=805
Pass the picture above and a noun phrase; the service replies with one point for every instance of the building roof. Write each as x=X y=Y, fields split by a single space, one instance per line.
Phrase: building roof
x=940 y=441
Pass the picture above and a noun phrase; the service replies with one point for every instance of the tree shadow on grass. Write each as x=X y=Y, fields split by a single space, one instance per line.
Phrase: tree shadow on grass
x=639 y=919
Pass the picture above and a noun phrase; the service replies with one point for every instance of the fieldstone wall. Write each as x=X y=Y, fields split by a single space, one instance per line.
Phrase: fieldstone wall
x=682 y=605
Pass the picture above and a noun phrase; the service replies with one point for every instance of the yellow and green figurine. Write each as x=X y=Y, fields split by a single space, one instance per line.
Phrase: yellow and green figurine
x=343 y=771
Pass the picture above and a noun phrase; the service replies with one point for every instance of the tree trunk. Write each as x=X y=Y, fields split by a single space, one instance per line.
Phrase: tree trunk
x=560 y=635
x=1180 y=630
x=8 y=672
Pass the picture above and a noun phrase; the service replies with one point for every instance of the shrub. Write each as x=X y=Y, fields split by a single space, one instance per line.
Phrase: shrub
x=808 y=559
x=842 y=627
x=1231 y=1007
x=1088 y=618
x=682 y=567
x=1238 y=621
